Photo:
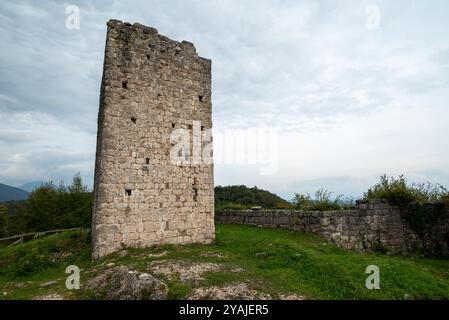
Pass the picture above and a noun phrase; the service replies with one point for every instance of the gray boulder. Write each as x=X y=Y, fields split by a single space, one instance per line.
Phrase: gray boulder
x=120 y=283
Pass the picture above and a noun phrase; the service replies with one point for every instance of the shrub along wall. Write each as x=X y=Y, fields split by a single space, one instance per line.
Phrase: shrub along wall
x=371 y=226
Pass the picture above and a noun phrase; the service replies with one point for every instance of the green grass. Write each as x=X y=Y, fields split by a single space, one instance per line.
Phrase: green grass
x=272 y=261
x=24 y=267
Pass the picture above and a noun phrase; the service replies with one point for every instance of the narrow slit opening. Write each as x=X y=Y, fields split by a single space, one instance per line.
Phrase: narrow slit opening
x=195 y=193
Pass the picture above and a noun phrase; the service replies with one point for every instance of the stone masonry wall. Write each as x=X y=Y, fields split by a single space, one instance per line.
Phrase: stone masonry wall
x=371 y=226
x=151 y=86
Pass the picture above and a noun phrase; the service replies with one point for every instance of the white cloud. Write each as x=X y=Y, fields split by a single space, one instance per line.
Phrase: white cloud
x=351 y=103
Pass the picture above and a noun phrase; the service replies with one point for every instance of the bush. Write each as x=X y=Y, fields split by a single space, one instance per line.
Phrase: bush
x=321 y=202
x=400 y=192
x=29 y=262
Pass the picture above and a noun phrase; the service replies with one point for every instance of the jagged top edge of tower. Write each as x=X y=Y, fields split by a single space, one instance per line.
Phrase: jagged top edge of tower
x=114 y=22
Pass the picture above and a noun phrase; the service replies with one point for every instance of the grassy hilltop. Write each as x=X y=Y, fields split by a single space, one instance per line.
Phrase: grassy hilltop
x=270 y=262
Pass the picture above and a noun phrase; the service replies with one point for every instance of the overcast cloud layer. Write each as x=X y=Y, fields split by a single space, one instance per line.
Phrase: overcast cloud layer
x=349 y=103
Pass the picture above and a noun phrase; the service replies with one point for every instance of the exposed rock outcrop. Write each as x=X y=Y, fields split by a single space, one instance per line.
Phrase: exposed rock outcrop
x=120 y=283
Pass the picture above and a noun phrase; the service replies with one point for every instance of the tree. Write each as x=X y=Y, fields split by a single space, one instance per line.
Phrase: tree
x=322 y=201
x=41 y=210
x=78 y=203
x=3 y=221
x=54 y=207
x=77 y=185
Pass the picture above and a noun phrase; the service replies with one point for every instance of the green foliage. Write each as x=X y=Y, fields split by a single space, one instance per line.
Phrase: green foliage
x=77 y=186
x=29 y=262
x=242 y=197
x=423 y=217
x=412 y=198
x=36 y=256
x=322 y=201
x=76 y=205
x=53 y=207
x=41 y=209
x=13 y=225
x=398 y=191
x=3 y=221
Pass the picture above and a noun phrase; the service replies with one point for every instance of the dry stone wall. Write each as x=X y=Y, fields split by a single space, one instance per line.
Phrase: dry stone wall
x=151 y=87
x=370 y=226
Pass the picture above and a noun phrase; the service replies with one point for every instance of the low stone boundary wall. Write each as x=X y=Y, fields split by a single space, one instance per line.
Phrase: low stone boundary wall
x=373 y=226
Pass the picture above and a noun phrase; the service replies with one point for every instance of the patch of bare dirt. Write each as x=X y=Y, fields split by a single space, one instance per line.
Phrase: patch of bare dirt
x=157 y=255
x=239 y=291
x=212 y=255
x=182 y=271
x=50 y=296
x=59 y=256
x=290 y=296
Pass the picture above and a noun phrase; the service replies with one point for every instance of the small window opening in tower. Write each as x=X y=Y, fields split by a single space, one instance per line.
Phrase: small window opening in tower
x=202 y=128
x=173 y=125
x=200 y=98
x=128 y=192
x=195 y=192
x=125 y=84
x=147 y=161
x=190 y=127
x=148 y=56
x=133 y=119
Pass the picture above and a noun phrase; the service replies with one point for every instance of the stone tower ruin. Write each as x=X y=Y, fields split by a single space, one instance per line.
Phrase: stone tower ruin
x=152 y=87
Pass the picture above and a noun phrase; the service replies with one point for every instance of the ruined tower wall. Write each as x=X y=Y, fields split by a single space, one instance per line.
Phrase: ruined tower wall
x=151 y=86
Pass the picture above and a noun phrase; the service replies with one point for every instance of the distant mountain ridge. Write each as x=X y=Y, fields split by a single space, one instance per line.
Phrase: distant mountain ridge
x=30 y=186
x=9 y=193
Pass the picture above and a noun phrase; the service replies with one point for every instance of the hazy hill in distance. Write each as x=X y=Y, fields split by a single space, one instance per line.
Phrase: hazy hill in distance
x=8 y=193
x=30 y=186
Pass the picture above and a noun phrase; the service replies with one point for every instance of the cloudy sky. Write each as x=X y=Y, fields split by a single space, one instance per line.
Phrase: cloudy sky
x=348 y=96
